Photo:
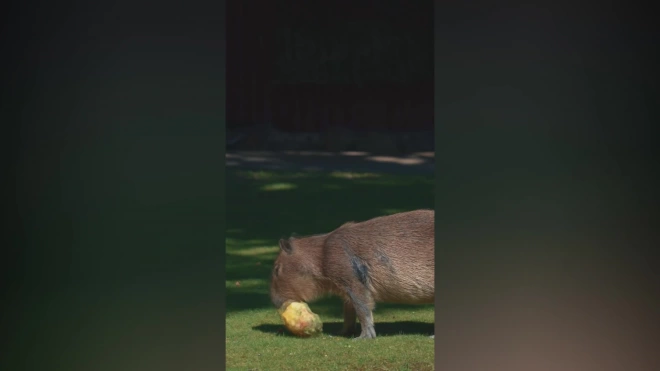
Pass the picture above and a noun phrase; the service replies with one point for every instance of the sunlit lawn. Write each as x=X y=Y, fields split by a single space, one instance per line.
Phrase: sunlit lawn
x=265 y=206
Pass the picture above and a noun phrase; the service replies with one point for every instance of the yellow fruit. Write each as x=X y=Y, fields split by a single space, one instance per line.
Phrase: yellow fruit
x=300 y=320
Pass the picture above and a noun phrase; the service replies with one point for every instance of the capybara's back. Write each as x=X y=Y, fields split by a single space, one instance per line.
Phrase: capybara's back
x=393 y=256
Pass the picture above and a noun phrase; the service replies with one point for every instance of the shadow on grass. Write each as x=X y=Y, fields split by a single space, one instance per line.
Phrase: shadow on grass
x=412 y=163
x=263 y=207
x=382 y=328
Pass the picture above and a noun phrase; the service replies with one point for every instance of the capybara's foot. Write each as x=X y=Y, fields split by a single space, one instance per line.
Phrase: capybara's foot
x=369 y=333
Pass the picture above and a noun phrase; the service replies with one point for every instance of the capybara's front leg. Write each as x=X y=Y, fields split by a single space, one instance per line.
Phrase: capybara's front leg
x=364 y=304
x=367 y=323
x=349 y=319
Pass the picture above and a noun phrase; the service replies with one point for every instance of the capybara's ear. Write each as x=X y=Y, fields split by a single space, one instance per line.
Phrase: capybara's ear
x=285 y=245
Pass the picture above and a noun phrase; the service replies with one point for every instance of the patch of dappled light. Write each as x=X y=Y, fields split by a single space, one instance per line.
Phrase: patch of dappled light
x=255 y=174
x=279 y=187
x=354 y=153
x=270 y=175
x=350 y=175
x=260 y=159
x=246 y=284
x=234 y=243
x=255 y=251
x=308 y=153
x=397 y=160
x=424 y=154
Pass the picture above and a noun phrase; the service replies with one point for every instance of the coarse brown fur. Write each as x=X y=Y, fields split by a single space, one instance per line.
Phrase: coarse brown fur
x=388 y=259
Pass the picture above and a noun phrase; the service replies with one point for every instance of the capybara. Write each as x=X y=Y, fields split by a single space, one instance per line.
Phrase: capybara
x=388 y=259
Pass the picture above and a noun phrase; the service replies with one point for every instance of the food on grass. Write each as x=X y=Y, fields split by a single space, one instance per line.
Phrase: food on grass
x=300 y=320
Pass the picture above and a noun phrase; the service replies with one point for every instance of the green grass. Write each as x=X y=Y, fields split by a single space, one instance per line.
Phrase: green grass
x=265 y=206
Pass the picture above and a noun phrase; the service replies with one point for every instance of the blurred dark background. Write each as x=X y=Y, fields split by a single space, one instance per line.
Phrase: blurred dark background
x=352 y=75
x=113 y=121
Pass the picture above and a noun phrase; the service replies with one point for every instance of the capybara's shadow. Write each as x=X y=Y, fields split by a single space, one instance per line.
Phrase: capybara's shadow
x=382 y=328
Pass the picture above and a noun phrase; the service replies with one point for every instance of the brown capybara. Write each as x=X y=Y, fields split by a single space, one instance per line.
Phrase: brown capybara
x=389 y=259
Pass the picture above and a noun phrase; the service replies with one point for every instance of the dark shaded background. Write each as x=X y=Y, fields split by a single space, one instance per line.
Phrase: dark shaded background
x=546 y=188
x=286 y=73
x=114 y=128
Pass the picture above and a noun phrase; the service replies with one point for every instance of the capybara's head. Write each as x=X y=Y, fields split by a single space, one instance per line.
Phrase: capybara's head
x=292 y=277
